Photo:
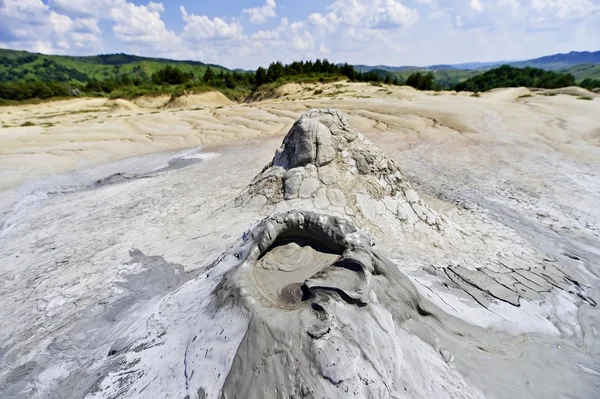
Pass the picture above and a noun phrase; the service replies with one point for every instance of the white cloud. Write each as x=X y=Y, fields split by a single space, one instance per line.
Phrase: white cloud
x=323 y=49
x=514 y=4
x=458 y=20
x=392 y=14
x=138 y=26
x=32 y=25
x=564 y=9
x=260 y=15
x=141 y=25
x=371 y=14
x=324 y=23
x=476 y=5
x=359 y=31
x=303 y=41
x=88 y=8
x=201 y=27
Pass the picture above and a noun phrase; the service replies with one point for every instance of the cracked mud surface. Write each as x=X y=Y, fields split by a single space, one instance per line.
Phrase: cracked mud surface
x=509 y=284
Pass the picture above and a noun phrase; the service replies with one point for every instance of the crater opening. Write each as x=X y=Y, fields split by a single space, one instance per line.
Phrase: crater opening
x=282 y=269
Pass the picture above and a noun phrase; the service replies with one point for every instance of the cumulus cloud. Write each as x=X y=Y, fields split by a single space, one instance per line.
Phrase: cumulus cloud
x=513 y=4
x=201 y=27
x=138 y=26
x=323 y=49
x=562 y=9
x=370 y=14
x=476 y=5
x=304 y=41
x=32 y=25
x=260 y=15
x=141 y=25
x=359 y=31
x=392 y=14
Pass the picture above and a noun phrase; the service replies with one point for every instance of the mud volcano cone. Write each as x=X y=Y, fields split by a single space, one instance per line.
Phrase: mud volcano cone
x=324 y=164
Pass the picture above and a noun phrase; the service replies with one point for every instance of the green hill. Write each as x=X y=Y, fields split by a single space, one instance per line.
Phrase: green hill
x=446 y=78
x=508 y=76
x=22 y=65
x=583 y=71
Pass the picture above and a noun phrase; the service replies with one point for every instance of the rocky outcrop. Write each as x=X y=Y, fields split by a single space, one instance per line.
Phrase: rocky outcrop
x=325 y=164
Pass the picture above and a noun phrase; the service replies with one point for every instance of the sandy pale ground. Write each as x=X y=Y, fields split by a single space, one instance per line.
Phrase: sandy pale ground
x=116 y=227
x=73 y=134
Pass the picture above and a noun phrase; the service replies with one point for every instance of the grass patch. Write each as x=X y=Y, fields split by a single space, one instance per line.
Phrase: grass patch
x=318 y=91
x=525 y=96
x=585 y=98
x=476 y=95
x=27 y=123
x=86 y=111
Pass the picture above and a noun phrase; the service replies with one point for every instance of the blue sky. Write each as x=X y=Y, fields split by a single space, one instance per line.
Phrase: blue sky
x=249 y=33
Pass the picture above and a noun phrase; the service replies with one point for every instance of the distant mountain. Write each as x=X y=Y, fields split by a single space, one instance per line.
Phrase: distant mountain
x=550 y=62
x=468 y=66
x=20 y=65
x=369 y=68
x=442 y=67
x=560 y=61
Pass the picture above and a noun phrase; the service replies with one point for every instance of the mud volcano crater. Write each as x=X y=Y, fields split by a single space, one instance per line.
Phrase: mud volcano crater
x=297 y=253
x=281 y=272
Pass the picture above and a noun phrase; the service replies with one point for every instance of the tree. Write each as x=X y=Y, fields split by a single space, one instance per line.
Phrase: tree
x=348 y=71
x=275 y=71
x=261 y=76
x=171 y=75
x=422 y=81
x=209 y=75
x=414 y=80
x=508 y=76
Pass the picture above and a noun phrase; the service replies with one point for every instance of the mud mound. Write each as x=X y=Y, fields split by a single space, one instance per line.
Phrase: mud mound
x=288 y=89
x=152 y=101
x=325 y=164
x=304 y=305
x=120 y=105
x=322 y=299
x=510 y=94
x=197 y=100
x=573 y=91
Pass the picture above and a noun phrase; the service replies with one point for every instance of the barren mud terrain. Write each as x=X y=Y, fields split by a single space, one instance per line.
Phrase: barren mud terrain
x=415 y=244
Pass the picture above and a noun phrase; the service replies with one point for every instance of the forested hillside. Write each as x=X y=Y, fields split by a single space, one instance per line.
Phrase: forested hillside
x=507 y=76
x=26 y=76
x=21 y=65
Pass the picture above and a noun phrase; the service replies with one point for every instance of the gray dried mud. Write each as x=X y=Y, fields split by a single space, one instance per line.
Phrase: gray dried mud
x=322 y=342
x=351 y=284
